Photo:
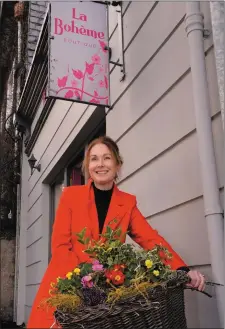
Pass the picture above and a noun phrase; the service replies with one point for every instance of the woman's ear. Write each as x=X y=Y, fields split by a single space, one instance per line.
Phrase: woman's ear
x=118 y=171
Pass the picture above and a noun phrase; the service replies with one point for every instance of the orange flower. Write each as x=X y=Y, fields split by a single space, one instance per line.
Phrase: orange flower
x=118 y=277
x=108 y=274
x=115 y=275
x=119 y=267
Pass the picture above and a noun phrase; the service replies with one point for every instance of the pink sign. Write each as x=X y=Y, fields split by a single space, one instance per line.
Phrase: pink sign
x=78 y=54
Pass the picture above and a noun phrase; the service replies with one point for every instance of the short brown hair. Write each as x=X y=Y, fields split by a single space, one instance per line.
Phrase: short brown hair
x=113 y=147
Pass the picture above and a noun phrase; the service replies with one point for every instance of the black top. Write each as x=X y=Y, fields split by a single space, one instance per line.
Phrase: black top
x=102 y=201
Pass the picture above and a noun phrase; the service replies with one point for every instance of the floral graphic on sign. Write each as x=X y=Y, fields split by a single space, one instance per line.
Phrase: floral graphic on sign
x=103 y=46
x=73 y=84
x=96 y=59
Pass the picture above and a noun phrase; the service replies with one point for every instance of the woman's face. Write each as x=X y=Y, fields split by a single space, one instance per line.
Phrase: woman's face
x=102 y=166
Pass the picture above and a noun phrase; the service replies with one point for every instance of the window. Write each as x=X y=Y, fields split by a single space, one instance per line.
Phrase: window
x=57 y=189
x=74 y=171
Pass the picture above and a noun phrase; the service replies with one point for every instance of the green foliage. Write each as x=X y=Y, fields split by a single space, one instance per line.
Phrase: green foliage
x=86 y=268
x=118 y=264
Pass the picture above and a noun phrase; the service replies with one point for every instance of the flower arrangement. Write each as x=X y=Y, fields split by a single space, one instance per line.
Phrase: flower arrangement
x=116 y=271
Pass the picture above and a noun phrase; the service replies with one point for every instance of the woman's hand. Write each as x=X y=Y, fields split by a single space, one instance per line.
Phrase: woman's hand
x=197 y=280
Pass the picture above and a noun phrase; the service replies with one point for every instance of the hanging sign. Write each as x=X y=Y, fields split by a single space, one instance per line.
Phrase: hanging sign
x=78 y=53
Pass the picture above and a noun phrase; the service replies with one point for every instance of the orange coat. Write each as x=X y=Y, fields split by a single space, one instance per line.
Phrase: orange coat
x=77 y=210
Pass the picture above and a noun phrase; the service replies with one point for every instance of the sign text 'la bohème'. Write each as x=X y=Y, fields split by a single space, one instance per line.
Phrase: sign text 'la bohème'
x=79 y=59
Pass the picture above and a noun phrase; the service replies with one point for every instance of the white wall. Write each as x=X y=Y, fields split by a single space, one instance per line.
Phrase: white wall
x=23 y=218
x=153 y=121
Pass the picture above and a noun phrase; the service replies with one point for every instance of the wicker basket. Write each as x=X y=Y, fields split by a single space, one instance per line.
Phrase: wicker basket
x=164 y=309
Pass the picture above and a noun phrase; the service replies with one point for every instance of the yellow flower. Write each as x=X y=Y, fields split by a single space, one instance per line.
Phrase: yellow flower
x=156 y=273
x=58 y=279
x=69 y=275
x=148 y=263
x=52 y=284
x=77 y=271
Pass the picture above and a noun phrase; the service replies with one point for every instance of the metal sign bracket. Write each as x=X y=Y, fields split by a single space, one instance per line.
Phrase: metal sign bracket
x=120 y=62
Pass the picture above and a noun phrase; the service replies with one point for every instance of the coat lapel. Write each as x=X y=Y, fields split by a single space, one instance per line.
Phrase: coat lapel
x=117 y=210
x=92 y=212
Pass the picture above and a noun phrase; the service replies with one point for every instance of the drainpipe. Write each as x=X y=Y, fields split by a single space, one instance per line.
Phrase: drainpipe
x=217 y=17
x=211 y=196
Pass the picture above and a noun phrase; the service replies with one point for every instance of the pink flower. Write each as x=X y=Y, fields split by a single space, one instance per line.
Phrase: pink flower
x=96 y=59
x=90 y=68
x=69 y=94
x=103 y=45
x=78 y=74
x=74 y=83
x=62 y=82
x=101 y=84
x=97 y=266
x=87 y=281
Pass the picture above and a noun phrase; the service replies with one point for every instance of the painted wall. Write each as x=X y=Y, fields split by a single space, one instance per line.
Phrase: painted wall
x=154 y=124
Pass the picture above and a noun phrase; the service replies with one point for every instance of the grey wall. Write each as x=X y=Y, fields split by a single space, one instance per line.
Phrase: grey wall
x=154 y=123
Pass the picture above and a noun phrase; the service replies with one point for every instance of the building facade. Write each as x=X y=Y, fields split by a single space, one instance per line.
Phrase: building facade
x=152 y=119
x=12 y=78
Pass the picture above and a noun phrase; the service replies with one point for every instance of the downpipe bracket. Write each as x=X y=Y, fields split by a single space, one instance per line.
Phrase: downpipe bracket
x=206 y=33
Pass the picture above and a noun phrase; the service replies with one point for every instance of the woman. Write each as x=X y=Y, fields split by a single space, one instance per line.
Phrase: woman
x=94 y=206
